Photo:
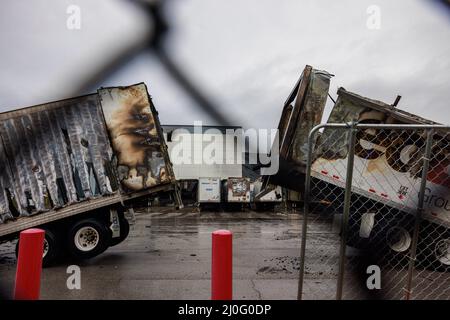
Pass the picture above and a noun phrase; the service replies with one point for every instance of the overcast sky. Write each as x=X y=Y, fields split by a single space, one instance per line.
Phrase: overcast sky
x=246 y=55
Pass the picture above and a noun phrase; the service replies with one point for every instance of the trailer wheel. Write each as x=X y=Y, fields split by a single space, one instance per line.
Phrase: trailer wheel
x=398 y=239
x=441 y=254
x=88 y=238
x=124 y=231
x=361 y=230
x=434 y=249
x=52 y=247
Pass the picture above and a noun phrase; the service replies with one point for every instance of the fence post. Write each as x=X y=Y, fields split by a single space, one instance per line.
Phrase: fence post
x=29 y=265
x=418 y=218
x=346 y=213
x=222 y=265
x=311 y=136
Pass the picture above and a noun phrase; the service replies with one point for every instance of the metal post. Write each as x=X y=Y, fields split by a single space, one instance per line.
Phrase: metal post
x=177 y=195
x=418 y=220
x=346 y=213
x=348 y=187
x=306 y=209
x=222 y=265
x=29 y=265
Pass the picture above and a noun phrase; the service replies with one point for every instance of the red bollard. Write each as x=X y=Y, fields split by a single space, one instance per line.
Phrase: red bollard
x=222 y=265
x=29 y=265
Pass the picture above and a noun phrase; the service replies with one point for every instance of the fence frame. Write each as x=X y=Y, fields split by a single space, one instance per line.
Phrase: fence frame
x=353 y=127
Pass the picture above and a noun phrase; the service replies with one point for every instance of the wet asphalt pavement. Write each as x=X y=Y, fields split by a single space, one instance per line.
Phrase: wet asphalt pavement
x=168 y=256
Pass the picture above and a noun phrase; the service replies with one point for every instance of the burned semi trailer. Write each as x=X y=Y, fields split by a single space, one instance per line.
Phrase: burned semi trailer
x=301 y=111
x=387 y=168
x=73 y=167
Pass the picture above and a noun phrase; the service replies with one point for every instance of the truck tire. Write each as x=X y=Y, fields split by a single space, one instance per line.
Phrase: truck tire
x=52 y=247
x=434 y=249
x=353 y=239
x=399 y=239
x=88 y=238
x=124 y=231
x=363 y=233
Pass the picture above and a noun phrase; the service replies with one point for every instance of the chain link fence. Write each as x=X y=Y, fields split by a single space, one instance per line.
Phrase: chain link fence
x=377 y=213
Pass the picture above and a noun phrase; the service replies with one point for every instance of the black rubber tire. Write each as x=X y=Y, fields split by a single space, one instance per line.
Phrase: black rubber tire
x=104 y=238
x=353 y=239
x=124 y=231
x=54 y=247
x=426 y=251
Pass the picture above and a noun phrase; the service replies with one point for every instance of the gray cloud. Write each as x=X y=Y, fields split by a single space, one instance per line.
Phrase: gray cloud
x=246 y=55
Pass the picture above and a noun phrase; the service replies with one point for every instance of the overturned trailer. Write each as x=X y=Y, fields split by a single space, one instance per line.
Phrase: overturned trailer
x=387 y=167
x=71 y=167
x=302 y=110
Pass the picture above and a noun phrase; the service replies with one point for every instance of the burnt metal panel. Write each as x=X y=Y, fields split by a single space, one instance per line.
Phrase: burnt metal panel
x=62 y=155
x=351 y=107
x=8 y=194
x=53 y=155
x=391 y=114
x=302 y=111
x=311 y=111
x=136 y=137
x=238 y=189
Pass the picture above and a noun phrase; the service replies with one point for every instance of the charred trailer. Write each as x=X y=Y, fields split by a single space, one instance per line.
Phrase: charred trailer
x=189 y=190
x=235 y=193
x=387 y=168
x=73 y=168
x=268 y=201
x=301 y=111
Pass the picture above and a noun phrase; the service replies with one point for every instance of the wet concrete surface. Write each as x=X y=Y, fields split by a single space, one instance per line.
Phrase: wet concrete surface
x=168 y=256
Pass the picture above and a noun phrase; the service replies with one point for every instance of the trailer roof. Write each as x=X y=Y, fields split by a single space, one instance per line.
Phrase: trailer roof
x=395 y=112
x=51 y=104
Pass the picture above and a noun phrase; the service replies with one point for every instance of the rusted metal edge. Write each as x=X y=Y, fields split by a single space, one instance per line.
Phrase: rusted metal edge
x=164 y=149
x=292 y=123
x=44 y=106
x=165 y=152
x=396 y=113
x=288 y=122
x=294 y=91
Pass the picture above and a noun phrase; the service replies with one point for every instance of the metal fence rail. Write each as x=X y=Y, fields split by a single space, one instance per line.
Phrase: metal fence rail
x=377 y=202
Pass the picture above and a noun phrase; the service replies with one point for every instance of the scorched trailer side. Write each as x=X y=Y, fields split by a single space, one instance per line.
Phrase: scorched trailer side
x=73 y=167
x=368 y=219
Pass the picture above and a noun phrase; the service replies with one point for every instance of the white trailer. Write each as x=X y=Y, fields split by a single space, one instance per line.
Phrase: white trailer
x=208 y=190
